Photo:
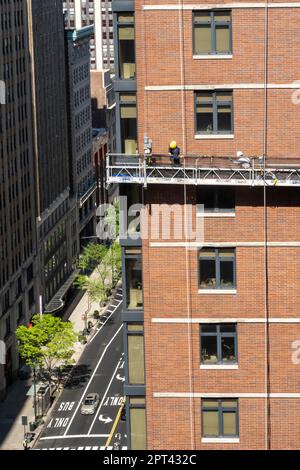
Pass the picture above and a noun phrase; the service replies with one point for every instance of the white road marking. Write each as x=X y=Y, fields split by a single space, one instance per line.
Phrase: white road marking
x=84 y=448
x=92 y=377
x=105 y=322
x=105 y=393
x=75 y=436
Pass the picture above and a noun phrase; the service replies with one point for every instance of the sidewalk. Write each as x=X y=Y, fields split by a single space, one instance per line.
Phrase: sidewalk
x=17 y=404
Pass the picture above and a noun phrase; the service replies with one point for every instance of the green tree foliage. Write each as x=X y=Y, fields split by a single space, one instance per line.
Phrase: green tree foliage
x=48 y=342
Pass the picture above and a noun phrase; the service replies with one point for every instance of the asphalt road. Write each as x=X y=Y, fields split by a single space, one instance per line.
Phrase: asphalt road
x=100 y=370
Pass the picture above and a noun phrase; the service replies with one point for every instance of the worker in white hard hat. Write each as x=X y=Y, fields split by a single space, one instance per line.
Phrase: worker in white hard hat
x=174 y=152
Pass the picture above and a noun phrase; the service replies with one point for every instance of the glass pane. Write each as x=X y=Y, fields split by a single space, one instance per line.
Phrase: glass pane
x=227 y=328
x=229 y=424
x=210 y=404
x=222 y=39
x=222 y=15
x=137 y=401
x=224 y=118
x=136 y=365
x=204 y=97
x=210 y=423
x=126 y=33
x=128 y=112
x=226 y=252
x=134 y=287
x=133 y=251
x=128 y=98
x=226 y=273
x=209 y=354
x=202 y=16
x=125 y=18
x=127 y=52
x=135 y=328
x=228 y=350
x=229 y=404
x=202 y=39
x=206 y=196
x=209 y=252
x=138 y=429
x=208 y=328
x=129 y=135
x=205 y=118
x=223 y=96
x=207 y=274
x=226 y=199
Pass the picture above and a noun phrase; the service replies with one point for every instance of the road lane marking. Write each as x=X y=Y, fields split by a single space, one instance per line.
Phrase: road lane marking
x=105 y=393
x=75 y=436
x=84 y=448
x=92 y=377
x=114 y=310
x=118 y=417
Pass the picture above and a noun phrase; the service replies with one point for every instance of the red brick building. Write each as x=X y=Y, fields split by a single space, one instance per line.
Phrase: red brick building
x=212 y=324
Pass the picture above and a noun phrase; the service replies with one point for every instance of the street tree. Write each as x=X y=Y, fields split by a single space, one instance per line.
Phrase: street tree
x=48 y=344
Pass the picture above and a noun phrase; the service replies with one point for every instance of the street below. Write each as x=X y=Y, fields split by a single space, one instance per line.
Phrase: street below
x=101 y=370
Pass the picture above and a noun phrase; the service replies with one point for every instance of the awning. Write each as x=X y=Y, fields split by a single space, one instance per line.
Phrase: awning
x=57 y=302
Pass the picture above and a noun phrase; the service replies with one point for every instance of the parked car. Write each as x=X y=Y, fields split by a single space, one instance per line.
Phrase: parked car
x=90 y=404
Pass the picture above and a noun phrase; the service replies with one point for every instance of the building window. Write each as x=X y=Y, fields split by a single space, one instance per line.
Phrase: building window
x=126 y=45
x=134 y=283
x=220 y=418
x=137 y=412
x=217 y=268
x=212 y=32
x=216 y=199
x=128 y=123
x=214 y=112
x=31 y=297
x=136 y=361
x=218 y=344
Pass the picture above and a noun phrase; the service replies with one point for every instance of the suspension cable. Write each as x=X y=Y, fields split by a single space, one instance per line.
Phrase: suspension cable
x=186 y=229
x=265 y=223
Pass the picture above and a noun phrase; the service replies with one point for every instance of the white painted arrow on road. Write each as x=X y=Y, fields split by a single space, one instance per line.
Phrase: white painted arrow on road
x=120 y=378
x=105 y=420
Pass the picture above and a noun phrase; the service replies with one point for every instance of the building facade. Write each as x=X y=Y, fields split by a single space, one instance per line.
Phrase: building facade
x=82 y=175
x=56 y=207
x=81 y=13
x=18 y=244
x=211 y=314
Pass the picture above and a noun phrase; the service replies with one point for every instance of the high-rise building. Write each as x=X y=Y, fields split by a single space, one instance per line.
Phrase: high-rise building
x=81 y=13
x=82 y=173
x=57 y=227
x=18 y=263
x=211 y=321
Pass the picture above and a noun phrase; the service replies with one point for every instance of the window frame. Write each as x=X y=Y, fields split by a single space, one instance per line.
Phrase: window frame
x=120 y=25
x=217 y=269
x=217 y=195
x=133 y=256
x=219 y=335
x=130 y=104
x=136 y=333
x=213 y=24
x=220 y=411
x=215 y=104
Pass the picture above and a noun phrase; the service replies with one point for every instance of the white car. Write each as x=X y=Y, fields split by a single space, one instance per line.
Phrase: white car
x=90 y=404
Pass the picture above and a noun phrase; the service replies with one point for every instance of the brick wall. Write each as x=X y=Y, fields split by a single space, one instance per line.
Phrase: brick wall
x=171 y=277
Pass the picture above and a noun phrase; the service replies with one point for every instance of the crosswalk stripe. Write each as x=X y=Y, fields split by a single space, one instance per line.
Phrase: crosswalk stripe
x=84 y=448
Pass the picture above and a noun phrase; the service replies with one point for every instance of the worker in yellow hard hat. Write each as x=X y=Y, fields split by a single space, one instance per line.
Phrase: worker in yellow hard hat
x=174 y=152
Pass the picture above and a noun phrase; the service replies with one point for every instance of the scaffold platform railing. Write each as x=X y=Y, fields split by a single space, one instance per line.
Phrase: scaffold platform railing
x=202 y=170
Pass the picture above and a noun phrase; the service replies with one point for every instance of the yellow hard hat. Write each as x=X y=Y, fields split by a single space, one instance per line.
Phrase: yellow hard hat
x=173 y=144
